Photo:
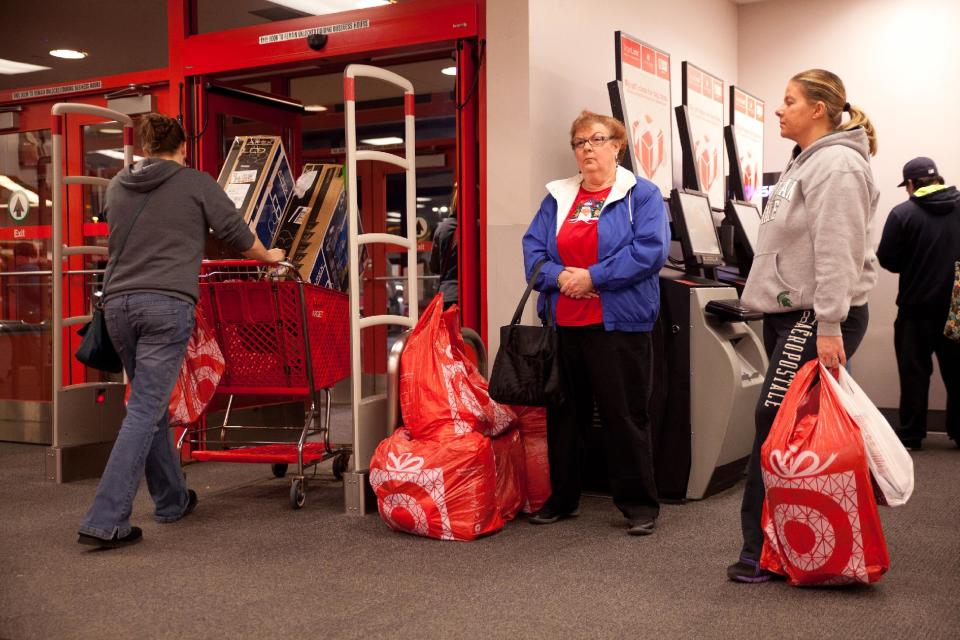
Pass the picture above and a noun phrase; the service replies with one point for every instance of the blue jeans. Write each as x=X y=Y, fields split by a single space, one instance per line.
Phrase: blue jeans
x=150 y=333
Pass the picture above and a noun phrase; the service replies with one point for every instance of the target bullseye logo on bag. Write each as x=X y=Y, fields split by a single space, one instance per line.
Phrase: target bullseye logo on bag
x=815 y=520
x=442 y=490
x=416 y=500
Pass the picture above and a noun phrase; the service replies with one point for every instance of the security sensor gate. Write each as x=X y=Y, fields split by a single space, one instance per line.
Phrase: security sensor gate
x=87 y=416
x=370 y=414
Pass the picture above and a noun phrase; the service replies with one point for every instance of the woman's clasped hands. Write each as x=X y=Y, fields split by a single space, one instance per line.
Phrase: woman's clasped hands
x=576 y=283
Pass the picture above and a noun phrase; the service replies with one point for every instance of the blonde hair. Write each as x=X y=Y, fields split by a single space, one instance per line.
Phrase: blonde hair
x=616 y=129
x=820 y=85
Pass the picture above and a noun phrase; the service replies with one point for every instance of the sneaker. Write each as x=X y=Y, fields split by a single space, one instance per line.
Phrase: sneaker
x=549 y=515
x=191 y=502
x=135 y=536
x=642 y=527
x=748 y=570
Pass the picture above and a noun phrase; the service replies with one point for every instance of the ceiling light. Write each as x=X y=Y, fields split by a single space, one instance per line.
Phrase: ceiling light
x=314 y=108
x=423 y=199
x=111 y=130
x=383 y=141
x=69 y=54
x=393 y=214
x=449 y=71
x=421 y=206
x=436 y=209
x=444 y=209
x=320 y=7
x=11 y=67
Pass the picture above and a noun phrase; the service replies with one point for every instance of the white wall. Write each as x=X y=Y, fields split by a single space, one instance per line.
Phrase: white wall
x=547 y=60
x=899 y=61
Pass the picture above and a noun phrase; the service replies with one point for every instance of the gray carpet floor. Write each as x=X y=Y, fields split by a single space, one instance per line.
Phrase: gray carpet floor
x=244 y=565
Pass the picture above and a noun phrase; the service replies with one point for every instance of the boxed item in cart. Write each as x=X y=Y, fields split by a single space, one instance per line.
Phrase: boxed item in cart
x=314 y=230
x=257 y=177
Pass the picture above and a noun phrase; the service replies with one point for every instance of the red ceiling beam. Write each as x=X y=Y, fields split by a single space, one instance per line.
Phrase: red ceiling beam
x=387 y=29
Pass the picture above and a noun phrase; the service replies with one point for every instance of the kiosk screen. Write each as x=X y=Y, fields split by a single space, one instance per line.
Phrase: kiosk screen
x=698 y=220
x=748 y=219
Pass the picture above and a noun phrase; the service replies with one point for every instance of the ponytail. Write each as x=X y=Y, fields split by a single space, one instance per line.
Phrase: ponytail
x=859 y=119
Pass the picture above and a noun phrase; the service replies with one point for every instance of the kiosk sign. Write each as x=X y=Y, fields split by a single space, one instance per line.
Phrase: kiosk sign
x=746 y=116
x=703 y=97
x=18 y=206
x=644 y=76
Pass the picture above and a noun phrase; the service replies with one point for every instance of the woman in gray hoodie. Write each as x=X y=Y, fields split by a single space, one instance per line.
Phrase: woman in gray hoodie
x=814 y=264
x=158 y=212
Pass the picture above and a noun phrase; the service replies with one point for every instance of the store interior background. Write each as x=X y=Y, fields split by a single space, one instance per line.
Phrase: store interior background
x=547 y=60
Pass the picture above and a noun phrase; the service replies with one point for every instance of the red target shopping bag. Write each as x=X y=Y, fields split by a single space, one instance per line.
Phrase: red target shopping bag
x=200 y=373
x=820 y=519
x=442 y=394
x=444 y=490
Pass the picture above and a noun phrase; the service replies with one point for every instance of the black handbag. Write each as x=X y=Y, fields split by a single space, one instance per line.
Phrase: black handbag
x=526 y=370
x=96 y=349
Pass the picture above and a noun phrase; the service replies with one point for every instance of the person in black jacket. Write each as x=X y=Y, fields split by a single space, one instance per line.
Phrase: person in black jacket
x=443 y=259
x=921 y=242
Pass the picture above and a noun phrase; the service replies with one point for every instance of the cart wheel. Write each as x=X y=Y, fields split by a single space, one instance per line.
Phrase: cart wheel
x=298 y=494
x=279 y=470
x=340 y=462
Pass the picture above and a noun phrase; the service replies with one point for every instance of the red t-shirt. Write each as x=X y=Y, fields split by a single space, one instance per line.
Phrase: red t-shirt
x=577 y=244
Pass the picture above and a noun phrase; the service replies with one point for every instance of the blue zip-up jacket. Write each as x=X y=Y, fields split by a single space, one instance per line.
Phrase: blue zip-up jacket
x=633 y=243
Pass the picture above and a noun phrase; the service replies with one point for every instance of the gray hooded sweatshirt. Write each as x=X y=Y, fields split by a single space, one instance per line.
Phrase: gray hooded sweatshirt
x=814 y=250
x=164 y=248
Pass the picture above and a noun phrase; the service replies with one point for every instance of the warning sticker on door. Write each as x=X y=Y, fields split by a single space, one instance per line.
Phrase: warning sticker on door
x=303 y=33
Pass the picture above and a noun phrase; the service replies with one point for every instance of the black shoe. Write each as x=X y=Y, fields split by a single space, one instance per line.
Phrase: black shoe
x=748 y=570
x=549 y=515
x=914 y=444
x=135 y=536
x=642 y=526
x=191 y=502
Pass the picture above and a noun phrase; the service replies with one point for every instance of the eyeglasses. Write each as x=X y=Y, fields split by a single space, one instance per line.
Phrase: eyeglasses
x=594 y=140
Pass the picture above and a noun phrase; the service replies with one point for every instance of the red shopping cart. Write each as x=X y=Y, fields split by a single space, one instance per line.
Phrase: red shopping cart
x=282 y=339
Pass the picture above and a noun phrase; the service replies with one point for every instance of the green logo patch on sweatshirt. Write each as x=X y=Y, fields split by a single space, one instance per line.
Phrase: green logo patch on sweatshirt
x=783 y=298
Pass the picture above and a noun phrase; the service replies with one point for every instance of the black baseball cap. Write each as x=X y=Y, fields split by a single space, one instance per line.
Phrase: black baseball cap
x=919 y=168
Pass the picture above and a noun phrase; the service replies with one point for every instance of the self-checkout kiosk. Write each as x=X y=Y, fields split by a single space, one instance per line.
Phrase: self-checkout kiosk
x=709 y=362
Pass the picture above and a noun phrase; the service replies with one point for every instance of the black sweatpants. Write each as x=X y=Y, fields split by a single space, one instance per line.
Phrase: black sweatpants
x=613 y=367
x=790 y=340
x=918 y=334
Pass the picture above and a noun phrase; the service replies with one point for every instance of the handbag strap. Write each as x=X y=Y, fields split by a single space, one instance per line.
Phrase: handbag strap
x=123 y=240
x=526 y=294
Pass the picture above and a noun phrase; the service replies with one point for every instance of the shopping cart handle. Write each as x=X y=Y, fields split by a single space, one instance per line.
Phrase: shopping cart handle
x=241 y=263
x=282 y=269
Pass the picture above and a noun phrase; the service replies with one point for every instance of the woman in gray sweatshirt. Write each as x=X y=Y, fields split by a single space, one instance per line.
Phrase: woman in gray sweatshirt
x=158 y=212
x=814 y=264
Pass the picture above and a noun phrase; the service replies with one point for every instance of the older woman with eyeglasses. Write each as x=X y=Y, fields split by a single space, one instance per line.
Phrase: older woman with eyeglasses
x=602 y=237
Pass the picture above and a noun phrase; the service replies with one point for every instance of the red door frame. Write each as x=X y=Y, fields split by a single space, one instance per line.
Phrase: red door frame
x=284 y=123
x=35 y=116
x=400 y=28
